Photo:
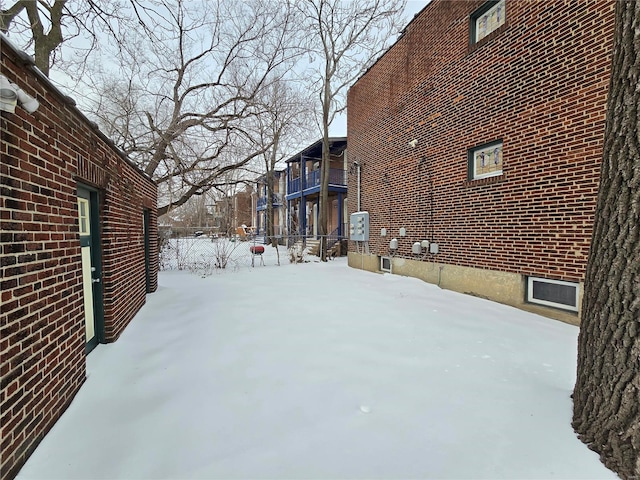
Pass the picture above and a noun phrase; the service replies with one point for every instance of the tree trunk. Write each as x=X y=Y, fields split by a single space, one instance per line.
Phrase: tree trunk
x=323 y=216
x=269 y=229
x=607 y=392
x=45 y=44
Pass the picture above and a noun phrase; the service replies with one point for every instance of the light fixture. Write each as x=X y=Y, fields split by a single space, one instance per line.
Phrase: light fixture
x=10 y=94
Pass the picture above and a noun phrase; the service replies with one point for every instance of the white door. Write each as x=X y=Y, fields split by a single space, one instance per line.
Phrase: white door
x=84 y=222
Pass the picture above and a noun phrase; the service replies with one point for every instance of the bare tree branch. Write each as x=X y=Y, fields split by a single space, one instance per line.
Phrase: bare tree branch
x=348 y=37
x=7 y=16
x=200 y=88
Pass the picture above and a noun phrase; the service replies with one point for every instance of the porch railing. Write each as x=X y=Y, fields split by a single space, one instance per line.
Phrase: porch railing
x=337 y=176
x=293 y=185
x=276 y=199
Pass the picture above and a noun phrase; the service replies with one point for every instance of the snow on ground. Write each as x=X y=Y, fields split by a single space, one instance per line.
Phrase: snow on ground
x=318 y=370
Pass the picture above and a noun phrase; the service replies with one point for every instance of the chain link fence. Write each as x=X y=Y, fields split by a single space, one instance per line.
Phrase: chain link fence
x=203 y=251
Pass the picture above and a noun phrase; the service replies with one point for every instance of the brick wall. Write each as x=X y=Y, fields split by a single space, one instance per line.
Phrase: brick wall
x=45 y=156
x=242 y=213
x=539 y=83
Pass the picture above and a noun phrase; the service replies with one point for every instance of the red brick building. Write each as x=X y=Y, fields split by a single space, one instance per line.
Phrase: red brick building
x=479 y=136
x=79 y=254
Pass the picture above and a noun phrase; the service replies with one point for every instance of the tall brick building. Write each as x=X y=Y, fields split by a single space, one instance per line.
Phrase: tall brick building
x=78 y=253
x=479 y=136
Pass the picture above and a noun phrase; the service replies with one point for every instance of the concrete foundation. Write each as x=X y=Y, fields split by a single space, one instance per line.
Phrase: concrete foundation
x=502 y=287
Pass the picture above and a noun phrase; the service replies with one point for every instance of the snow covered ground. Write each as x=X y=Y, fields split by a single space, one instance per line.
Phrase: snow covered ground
x=322 y=371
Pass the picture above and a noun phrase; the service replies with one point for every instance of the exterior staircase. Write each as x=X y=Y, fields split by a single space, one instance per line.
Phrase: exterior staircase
x=338 y=249
x=312 y=245
x=261 y=239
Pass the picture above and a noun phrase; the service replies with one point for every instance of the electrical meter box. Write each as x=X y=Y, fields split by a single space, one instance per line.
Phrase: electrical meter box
x=359 y=227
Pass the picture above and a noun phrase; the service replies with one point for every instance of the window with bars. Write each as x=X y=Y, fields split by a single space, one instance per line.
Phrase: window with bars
x=488 y=18
x=485 y=160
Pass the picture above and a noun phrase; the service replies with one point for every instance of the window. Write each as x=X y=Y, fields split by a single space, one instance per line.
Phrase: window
x=83 y=216
x=487 y=19
x=385 y=264
x=485 y=160
x=553 y=293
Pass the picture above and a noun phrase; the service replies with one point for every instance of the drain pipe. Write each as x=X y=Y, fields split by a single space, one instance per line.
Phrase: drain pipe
x=357 y=165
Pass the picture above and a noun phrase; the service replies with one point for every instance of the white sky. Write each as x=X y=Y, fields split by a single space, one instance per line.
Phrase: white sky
x=321 y=371
x=338 y=127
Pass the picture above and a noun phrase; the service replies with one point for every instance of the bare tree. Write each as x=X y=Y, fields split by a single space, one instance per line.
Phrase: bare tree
x=184 y=105
x=607 y=392
x=193 y=214
x=43 y=26
x=287 y=123
x=230 y=200
x=348 y=37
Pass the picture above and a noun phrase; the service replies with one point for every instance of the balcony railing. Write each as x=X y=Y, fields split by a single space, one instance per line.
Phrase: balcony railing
x=276 y=199
x=337 y=176
x=293 y=185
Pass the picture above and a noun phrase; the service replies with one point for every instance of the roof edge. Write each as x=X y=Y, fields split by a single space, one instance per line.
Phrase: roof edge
x=28 y=61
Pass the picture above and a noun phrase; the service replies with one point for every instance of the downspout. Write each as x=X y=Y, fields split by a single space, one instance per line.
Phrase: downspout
x=340 y=212
x=357 y=164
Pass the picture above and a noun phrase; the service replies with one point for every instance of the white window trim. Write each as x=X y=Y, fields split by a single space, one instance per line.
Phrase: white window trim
x=382 y=259
x=473 y=160
x=83 y=220
x=487 y=175
x=562 y=306
x=480 y=12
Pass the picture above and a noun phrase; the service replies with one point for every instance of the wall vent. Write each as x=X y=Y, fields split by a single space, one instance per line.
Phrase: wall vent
x=553 y=293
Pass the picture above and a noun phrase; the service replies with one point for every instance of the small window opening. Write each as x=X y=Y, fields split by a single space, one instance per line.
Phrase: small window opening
x=553 y=293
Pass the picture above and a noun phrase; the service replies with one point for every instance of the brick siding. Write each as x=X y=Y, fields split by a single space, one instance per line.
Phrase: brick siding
x=243 y=214
x=45 y=156
x=539 y=83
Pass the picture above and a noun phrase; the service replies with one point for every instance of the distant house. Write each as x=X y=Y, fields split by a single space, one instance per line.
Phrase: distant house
x=479 y=138
x=233 y=211
x=277 y=202
x=303 y=190
x=79 y=251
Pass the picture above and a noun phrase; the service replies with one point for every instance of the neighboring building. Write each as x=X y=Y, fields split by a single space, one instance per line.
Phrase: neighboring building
x=277 y=202
x=221 y=222
x=303 y=190
x=233 y=211
x=79 y=253
x=479 y=136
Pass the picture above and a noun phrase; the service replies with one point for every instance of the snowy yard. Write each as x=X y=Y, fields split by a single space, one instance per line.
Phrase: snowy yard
x=322 y=371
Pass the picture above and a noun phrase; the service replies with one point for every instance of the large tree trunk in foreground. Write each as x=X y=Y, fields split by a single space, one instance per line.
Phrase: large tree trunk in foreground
x=607 y=392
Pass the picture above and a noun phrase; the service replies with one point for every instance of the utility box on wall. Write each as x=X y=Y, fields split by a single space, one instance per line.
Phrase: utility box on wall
x=359 y=227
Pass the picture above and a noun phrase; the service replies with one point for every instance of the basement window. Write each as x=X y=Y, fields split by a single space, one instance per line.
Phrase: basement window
x=553 y=293
x=385 y=264
x=485 y=160
x=487 y=19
